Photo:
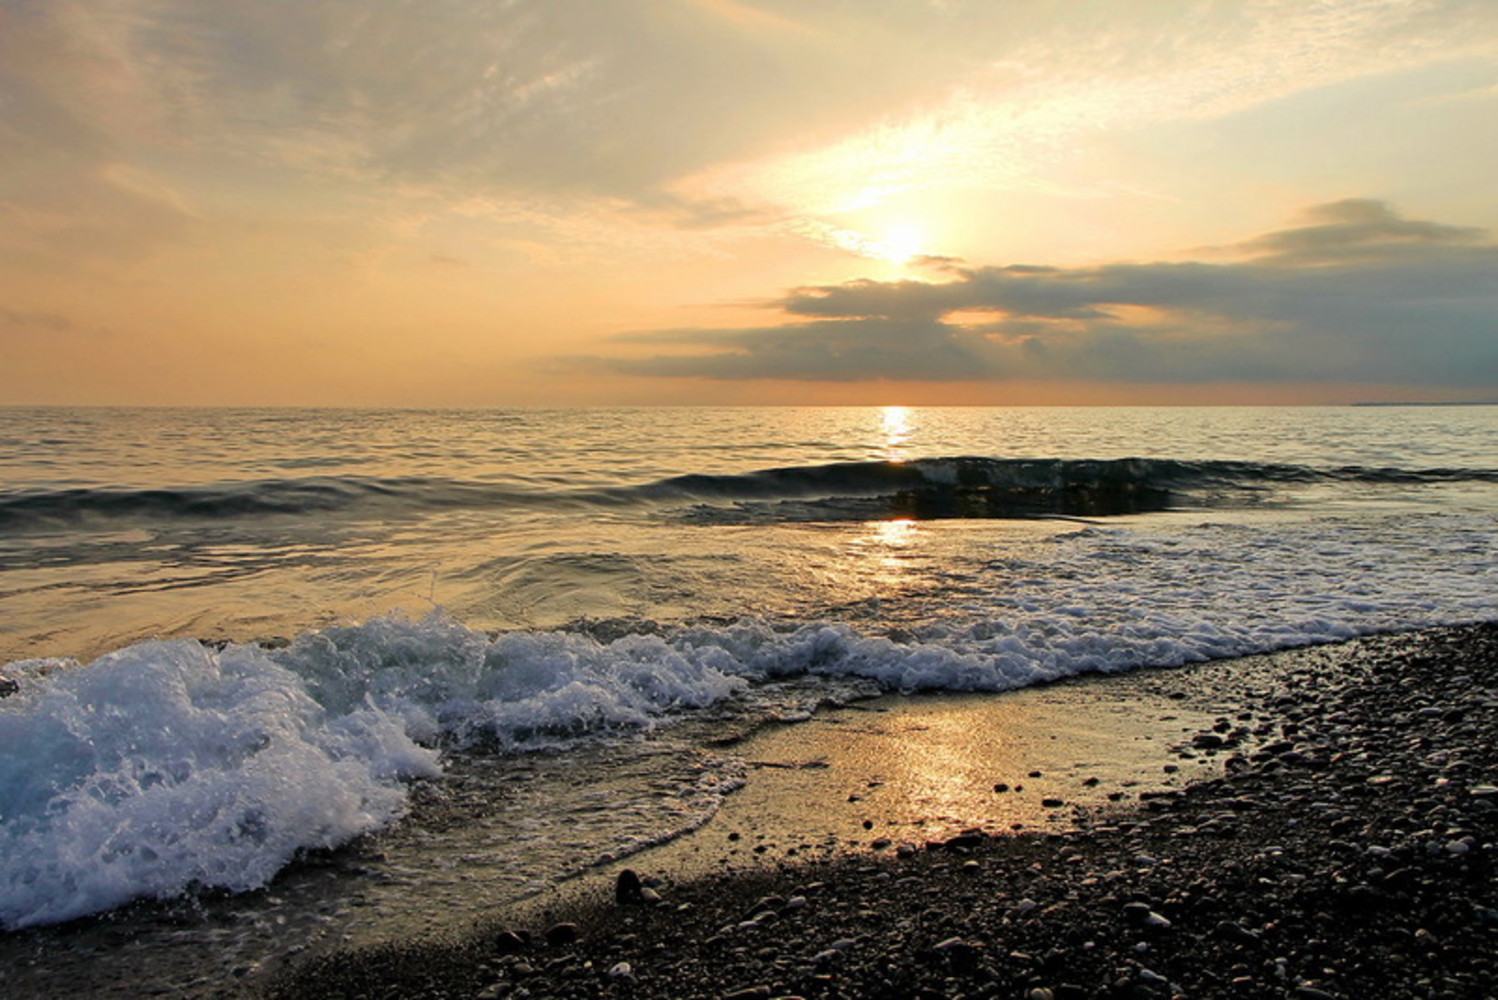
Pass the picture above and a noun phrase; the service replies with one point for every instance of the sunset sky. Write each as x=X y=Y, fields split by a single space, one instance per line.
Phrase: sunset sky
x=565 y=202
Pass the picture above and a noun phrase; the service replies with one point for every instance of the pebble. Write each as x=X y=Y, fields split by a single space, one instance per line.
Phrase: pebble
x=749 y=993
x=563 y=933
x=628 y=889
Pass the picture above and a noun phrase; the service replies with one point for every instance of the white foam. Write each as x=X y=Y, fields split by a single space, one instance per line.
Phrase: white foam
x=521 y=689
x=167 y=765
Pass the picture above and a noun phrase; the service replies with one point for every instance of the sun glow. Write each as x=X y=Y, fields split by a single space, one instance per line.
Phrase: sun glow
x=901 y=242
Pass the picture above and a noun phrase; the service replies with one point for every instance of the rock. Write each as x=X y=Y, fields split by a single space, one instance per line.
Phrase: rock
x=749 y=993
x=1237 y=933
x=509 y=942
x=622 y=970
x=766 y=904
x=564 y=933
x=628 y=889
x=8 y=687
x=1307 y=992
x=961 y=954
x=963 y=841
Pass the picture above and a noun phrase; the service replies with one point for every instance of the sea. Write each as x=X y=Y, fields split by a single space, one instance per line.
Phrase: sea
x=286 y=676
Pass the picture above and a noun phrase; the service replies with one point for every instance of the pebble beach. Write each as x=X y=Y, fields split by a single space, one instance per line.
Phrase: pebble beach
x=1338 y=842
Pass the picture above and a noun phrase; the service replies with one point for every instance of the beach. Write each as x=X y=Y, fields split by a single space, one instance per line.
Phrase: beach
x=1335 y=840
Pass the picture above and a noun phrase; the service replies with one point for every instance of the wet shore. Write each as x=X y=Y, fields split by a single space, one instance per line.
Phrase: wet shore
x=1337 y=841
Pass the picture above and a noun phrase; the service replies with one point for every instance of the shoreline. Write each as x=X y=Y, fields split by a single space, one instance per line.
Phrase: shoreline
x=1341 y=846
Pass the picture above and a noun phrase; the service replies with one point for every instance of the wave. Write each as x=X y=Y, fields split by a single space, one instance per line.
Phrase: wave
x=932 y=488
x=32 y=509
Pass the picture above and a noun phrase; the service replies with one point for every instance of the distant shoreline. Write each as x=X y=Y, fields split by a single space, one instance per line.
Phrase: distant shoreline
x=1416 y=402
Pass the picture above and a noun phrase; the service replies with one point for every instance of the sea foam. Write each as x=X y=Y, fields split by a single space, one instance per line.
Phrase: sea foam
x=168 y=765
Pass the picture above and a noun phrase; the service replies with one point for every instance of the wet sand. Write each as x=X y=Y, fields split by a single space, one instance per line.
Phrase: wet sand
x=1327 y=830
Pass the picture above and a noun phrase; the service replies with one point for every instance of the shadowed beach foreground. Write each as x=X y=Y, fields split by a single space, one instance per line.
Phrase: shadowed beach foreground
x=1346 y=849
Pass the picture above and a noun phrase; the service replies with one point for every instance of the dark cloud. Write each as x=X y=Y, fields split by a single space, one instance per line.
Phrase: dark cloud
x=34 y=322
x=1342 y=230
x=1357 y=294
x=844 y=350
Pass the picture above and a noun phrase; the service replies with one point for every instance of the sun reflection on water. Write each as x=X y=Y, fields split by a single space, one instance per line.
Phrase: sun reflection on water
x=895 y=429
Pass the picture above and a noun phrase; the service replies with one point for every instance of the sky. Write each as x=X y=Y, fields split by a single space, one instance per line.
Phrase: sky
x=873 y=202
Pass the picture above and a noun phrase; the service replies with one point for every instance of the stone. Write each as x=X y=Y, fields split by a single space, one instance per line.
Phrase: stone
x=563 y=933
x=749 y=993
x=8 y=687
x=961 y=954
x=628 y=889
x=509 y=942
x=766 y=904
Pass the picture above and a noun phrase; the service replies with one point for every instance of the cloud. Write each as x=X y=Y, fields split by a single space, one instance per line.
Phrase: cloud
x=696 y=108
x=34 y=322
x=1356 y=294
x=605 y=98
x=1342 y=230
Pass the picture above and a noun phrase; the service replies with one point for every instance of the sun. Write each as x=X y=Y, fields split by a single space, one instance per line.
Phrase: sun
x=901 y=242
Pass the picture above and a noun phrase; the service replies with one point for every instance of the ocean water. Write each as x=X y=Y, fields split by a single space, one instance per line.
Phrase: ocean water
x=499 y=646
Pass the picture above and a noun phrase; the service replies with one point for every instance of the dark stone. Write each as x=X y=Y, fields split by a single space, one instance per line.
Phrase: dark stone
x=766 y=904
x=628 y=889
x=509 y=942
x=563 y=933
x=749 y=993
x=8 y=687
x=963 y=841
